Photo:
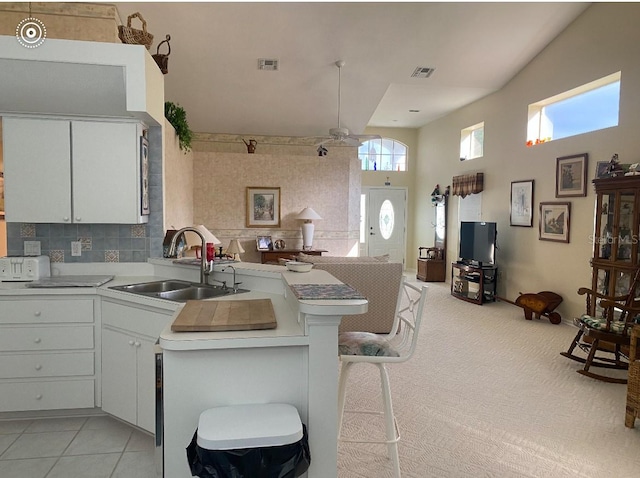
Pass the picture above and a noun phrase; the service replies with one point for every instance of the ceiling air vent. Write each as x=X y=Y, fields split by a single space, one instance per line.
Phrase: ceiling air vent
x=422 y=72
x=267 y=64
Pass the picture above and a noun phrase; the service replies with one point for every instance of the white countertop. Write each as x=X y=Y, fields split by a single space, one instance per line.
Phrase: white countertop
x=263 y=281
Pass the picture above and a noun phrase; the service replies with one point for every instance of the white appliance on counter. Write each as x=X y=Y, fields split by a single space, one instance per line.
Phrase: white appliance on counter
x=24 y=268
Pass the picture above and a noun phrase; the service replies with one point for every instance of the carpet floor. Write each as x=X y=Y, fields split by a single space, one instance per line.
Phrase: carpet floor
x=487 y=394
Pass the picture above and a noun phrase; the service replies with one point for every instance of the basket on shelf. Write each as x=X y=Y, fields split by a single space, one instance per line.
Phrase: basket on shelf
x=161 y=59
x=133 y=36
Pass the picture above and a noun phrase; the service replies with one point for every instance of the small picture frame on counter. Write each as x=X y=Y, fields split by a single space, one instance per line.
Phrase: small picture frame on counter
x=264 y=243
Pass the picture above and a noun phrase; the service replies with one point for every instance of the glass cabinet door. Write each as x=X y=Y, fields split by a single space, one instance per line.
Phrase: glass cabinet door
x=605 y=221
x=617 y=239
x=626 y=236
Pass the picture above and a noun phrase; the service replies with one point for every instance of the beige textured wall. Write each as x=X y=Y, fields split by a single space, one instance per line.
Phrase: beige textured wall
x=330 y=185
x=601 y=41
x=177 y=182
x=66 y=21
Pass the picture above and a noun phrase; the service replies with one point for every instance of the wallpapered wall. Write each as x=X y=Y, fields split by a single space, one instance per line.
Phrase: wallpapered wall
x=330 y=185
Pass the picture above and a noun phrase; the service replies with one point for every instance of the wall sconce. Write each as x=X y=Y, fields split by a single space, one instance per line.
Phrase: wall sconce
x=307 y=215
x=235 y=249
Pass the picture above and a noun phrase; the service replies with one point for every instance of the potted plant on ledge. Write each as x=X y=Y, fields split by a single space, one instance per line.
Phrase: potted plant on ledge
x=177 y=116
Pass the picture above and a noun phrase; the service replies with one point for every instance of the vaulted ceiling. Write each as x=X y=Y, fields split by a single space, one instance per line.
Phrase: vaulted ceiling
x=475 y=48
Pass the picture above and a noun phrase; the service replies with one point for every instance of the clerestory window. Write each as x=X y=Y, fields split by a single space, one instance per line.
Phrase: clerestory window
x=589 y=107
x=472 y=142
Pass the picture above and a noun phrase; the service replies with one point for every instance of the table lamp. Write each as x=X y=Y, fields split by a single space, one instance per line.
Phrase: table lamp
x=307 y=215
x=235 y=249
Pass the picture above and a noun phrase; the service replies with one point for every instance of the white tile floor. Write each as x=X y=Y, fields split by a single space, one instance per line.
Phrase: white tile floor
x=76 y=447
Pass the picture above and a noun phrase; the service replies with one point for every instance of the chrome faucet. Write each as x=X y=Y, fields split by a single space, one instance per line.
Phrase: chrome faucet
x=204 y=270
x=235 y=284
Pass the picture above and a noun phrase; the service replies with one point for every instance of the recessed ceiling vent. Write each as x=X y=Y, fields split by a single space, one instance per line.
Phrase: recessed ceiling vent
x=422 y=72
x=269 y=64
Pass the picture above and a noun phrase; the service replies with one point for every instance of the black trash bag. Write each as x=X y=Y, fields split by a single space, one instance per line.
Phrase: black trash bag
x=285 y=461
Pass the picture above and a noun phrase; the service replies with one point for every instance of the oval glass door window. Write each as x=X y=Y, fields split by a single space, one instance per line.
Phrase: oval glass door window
x=386 y=219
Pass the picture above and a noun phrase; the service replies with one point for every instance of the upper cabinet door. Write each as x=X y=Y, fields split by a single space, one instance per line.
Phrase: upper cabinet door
x=106 y=172
x=37 y=170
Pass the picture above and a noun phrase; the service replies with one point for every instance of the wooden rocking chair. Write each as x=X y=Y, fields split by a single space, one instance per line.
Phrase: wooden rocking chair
x=607 y=333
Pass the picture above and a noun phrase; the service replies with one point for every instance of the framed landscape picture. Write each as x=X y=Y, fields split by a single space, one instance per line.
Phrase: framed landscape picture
x=522 y=203
x=554 y=221
x=571 y=176
x=263 y=207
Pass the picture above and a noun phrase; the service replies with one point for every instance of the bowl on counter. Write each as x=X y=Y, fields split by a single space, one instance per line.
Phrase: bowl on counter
x=296 y=266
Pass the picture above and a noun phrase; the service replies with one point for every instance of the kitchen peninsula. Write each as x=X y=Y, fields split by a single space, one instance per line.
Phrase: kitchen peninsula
x=296 y=362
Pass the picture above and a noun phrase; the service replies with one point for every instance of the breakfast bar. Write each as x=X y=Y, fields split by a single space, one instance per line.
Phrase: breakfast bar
x=296 y=363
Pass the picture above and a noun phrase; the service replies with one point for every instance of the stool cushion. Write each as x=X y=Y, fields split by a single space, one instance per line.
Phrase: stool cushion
x=365 y=343
x=600 y=323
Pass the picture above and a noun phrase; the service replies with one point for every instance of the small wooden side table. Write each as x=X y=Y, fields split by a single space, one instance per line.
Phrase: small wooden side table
x=272 y=257
x=431 y=265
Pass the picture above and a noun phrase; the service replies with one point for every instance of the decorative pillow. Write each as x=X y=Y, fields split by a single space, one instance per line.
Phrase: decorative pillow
x=302 y=257
x=365 y=343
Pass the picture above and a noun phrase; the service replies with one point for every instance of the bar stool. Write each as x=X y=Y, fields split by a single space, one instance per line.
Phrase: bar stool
x=379 y=350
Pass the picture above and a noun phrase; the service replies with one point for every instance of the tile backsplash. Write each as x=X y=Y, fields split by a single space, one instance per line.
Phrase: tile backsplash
x=99 y=242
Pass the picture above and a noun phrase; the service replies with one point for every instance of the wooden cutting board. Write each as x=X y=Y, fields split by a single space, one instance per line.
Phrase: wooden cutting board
x=212 y=316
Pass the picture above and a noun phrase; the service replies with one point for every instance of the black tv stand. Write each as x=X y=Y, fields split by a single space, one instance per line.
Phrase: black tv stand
x=474 y=283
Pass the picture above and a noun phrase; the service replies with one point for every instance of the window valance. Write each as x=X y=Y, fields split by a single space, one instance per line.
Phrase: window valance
x=468 y=184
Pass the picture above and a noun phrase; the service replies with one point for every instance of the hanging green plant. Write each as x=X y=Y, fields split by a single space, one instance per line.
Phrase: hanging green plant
x=177 y=116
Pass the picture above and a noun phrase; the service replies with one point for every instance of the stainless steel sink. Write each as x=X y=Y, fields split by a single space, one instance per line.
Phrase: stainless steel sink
x=195 y=292
x=152 y=287
x=176 y=290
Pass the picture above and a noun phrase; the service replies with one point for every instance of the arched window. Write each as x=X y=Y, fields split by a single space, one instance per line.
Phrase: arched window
x=383 y=155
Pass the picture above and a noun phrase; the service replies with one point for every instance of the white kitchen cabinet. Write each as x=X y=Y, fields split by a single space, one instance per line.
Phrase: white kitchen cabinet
x=60 y=171
x=129 y=334
x=47 y=353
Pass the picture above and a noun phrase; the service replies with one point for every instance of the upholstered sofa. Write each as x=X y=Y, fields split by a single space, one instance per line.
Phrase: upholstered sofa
x=374 y=277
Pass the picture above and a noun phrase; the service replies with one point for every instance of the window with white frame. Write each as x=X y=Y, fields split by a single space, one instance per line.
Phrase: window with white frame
x=472 y=142
x=589 y=107
x=383 y=155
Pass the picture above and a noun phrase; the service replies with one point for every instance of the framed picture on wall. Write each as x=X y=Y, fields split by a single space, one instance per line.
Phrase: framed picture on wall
x=554 y=221
x=522 y=203
x=263 y=207
x=571 y=176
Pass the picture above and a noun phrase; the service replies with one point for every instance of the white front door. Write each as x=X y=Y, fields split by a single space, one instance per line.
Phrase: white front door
x=385 y=228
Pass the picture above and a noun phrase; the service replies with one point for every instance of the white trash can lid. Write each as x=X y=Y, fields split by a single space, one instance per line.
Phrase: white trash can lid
x=249 y=426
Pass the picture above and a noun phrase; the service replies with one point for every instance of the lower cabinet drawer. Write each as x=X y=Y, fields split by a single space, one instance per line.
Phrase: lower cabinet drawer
x=47 y=365
x=20 y=396
x=40 y=311
x=15 y=339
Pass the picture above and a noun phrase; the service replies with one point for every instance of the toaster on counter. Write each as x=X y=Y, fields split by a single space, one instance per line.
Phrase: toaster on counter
x=24 y=268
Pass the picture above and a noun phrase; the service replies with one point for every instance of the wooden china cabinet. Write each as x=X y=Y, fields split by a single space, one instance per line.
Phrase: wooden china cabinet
x=616 y=252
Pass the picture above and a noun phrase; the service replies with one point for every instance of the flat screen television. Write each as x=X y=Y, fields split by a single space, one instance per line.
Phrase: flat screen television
x=478 y=243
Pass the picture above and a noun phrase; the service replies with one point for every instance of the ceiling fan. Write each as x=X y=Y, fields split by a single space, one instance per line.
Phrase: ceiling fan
x=340 y=134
